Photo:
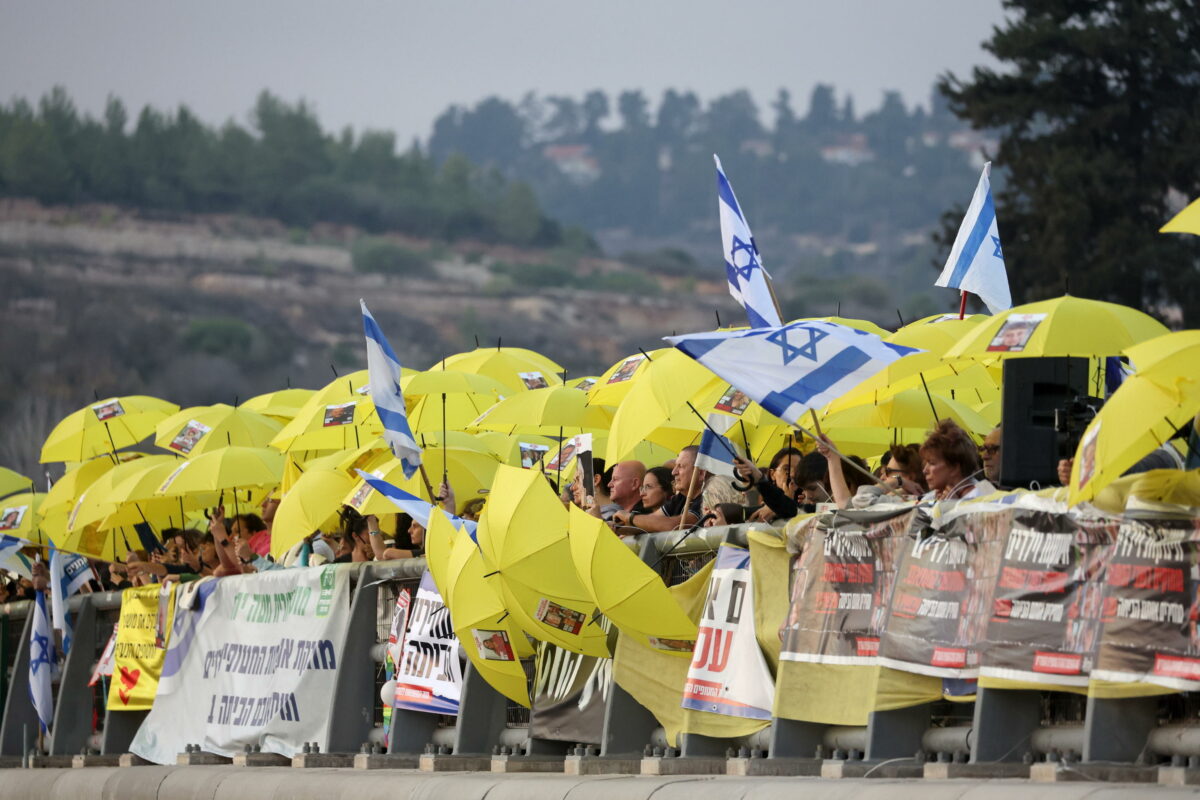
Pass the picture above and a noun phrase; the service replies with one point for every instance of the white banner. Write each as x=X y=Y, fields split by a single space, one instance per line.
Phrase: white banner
x=728 y=674
x=428 y=672
x=252 y=660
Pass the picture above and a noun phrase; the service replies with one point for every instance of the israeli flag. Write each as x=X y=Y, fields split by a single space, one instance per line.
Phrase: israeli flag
x=716 y=454
x=383 y=369
x=410 y=504
x=43 y=660
x=792 y=368
x=976 y=262
x=749 y=282
x=68 y=573
x=11 y=557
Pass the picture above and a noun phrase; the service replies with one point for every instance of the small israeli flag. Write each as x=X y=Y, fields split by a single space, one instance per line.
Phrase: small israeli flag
x=410 y=504
x=383 y=369
x=792 y=368
x=11 y=557
x=749 y=282
x=68 y=573
x=716 y=454
x=43 y=661
x=976 y=262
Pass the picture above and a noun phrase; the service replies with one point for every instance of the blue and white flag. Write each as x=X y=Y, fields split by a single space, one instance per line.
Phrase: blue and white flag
x=792 y=368
x=749 y=282
x=716 y=454
x=383 y=369
x=68 y=572
x=412 y=505
x=42 y=663
x=976 y=262
x=1115 y=373
x=11 y=557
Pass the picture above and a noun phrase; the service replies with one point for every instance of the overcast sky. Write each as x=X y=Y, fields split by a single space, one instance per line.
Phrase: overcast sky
x=397 y=65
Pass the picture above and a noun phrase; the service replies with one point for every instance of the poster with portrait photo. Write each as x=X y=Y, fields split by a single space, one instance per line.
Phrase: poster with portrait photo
x=109 y=410
x=1015 y=333
x=340 y=414
x=563 y=457
x=10 y=520
x=559 y=616
x=532 y=453
x=188 y=437
x=585 y=384
x=1087 y=461
x=626 y=370
x=364 y=491
x=533 y=380
x=734 y=401
x=493 y=645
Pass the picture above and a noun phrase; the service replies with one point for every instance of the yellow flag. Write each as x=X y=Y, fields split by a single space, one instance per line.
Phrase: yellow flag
x=141 y=644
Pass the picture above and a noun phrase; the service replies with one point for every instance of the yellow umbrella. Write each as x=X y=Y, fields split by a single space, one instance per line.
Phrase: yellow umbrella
x=663 y=390
x=487 y=631
x=67 y=489
x=937 y=333
x=910 y=408
x=94 y=503
x=469 y=472
x=515 y=367
x=19 y=517
x=870 y=443
x=201 y=429
x=311 y=505
x=282 y=405
x=132 y=498
x=227 y=469
x=337 y=425
x=621 y=585
x=544 y=411
x=12 y=481
x=1145 y=412
x=526 y=544
x=611 y=387
x=455 y=413
x=104 y=427
x=1064 y=326
x=849 y=322
x=518 y=450
x=1186 y=221
x=439 y=545
x=583 y=384
x=450 y=382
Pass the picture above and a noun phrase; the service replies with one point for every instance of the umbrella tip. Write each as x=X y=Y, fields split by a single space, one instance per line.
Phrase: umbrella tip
x=499 y=339
x=901 y=317
x=477 y=341
x=335 y=373
x=647 y=355
x=717 y=314
x=839 y=311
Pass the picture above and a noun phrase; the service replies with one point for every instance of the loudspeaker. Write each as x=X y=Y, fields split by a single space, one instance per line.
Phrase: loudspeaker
x=1034 y=388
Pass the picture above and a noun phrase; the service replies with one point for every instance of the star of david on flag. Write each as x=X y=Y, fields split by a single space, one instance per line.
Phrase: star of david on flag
x=42 y=662
x=792 y=368
x=749 y=282
x=383 y=369
x=976 y=262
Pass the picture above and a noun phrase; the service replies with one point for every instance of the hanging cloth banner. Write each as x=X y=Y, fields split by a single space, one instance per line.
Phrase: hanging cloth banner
x=141 y=645
x=428 y=670
x=570 y=691
x=252 y=661
x=1045 y=620
x=728 y=674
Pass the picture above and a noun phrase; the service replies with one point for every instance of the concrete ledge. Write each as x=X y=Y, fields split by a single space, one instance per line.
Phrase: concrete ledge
x=54 y=762
x=384 y=761
x=658 y=765
x=1178 y=776
x=506 y=764
x=323 y=760
x=439 y=763
x=131 y=760
x=743 y=767
x=938 y=770
x=602 y=765
x=1058 y=772
x=907 y=768
x=261 y=760
x=95 y=760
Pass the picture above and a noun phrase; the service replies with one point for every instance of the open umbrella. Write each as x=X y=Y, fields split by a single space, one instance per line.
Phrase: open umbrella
x=282 y=405
x=440 y=537
x=1142 y=414
x=201 y=429
x=66 y=490
x=622 y=586
x=96 y=500
x=1063 y=326
x=518 y=450
x=616 y=381
x=1186 y=221
x=665 y=387
x=105 y=427
x=312 y=504
x=515 y=367
x=336 y=425
x=19 y=517
x=225 y=470
x=11 y=481
x=469 y=471
x=545 y=411
x=911 y=408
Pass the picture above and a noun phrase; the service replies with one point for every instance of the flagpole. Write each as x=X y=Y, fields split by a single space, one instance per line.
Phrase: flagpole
x=962 y=306
x=817 y=438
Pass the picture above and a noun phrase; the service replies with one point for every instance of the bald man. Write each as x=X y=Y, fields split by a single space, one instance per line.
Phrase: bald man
x=625 y=486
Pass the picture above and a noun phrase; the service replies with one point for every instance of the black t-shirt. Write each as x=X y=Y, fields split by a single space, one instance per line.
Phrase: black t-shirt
x=674 y=506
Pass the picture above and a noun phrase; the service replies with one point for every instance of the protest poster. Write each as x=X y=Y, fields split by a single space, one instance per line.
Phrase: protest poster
x=942 y=596
x=140 y=646
x=1045 y=620
x=252 y=660
x=728 y=673
x=428 y=670
x=841 y=579
x=1151 y=605
x=570 y=691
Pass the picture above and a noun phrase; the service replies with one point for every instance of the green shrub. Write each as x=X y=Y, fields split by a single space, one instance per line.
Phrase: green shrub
x=372 y=254
x=219 y=336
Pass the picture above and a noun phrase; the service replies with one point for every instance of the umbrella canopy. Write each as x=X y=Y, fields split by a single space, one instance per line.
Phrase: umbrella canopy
x=311 y=505
x=664 y=389
x=336 y=425
x=487 y=631
x=515 y=367
x=611 y=387
x=12 y=481
x=1186 y=221
x=621 y=585
x=469 y=471
x=518 y=450
x=450 y=381
x=849 y=322
x=66 y=490
x=132 y=498
x=201 y=429
x=544 y=411
x=911 y=408
x=96 y=501
x=455 y=412
x=105 y=427
x=19 y=517
x=1142 y=414
x=282 y=405
x=1064 y=326
x=440 y=537
x=224 y=470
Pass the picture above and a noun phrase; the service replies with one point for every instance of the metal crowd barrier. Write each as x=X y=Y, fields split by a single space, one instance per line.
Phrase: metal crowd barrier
x=1000 y=734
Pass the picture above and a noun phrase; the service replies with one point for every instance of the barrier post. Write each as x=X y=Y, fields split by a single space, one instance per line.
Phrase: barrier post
x=352 y=706
x=1004 y=720
x=19 y=713
x=1117 y=730
x=73 y=706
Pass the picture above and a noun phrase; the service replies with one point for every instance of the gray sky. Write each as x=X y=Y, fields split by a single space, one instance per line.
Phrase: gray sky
x=396 y=65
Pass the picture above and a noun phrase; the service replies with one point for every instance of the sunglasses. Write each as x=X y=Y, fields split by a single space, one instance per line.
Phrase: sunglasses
x=989 y=449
